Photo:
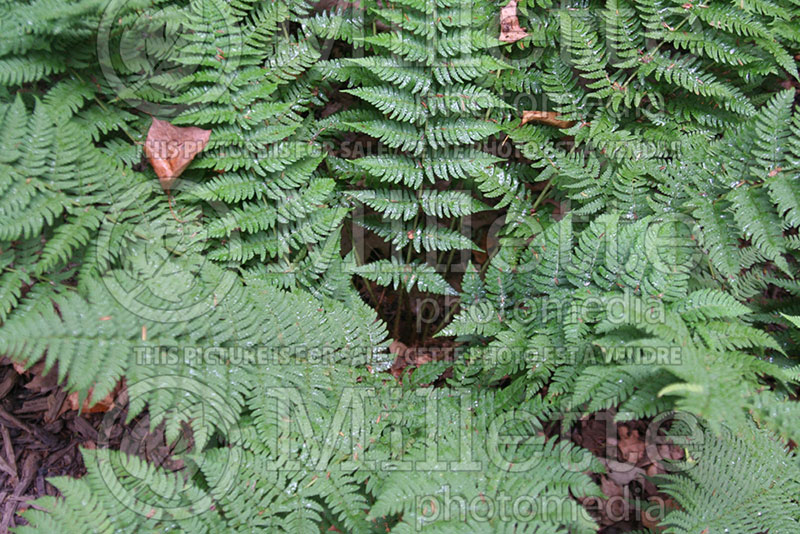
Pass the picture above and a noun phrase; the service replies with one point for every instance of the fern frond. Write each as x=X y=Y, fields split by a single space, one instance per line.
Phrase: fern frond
x=394 y=273
x=737 y=481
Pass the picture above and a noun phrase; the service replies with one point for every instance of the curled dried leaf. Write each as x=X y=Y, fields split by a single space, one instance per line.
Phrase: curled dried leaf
x=171 y=148
x=545 y=117
x=510 y=30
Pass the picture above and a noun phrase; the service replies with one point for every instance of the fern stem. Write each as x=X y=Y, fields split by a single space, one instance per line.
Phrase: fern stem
x=441 y=252
x=446 y=272
x=448 y=315
x=396 y=327
x=540 y=198
x=359 y=262
x=535 y=205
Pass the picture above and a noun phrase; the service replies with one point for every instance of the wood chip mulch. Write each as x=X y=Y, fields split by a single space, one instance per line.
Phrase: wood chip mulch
x=41 y=431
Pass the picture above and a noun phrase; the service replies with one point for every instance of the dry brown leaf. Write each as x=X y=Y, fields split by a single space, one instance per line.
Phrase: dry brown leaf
x=170 y=149
x=510 y=31
x=663 y=505
x=417 y=356
x=104 y=405
x=631 y=445
x=398 y=348
x=622 y=473
x=40 y=382
x=545 y=117
x=610 y=488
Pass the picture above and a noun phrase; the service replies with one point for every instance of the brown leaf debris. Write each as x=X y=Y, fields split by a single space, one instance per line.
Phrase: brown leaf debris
x=510 y=30
x=549 y=118
x=170 y=149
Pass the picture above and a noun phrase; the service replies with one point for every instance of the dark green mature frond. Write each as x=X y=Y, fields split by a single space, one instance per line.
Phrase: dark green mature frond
x=426 y=96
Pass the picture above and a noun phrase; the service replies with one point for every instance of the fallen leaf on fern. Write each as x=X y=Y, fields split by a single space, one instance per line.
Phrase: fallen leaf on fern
x=171 y=148
x=510 y=30
x=549 y=118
